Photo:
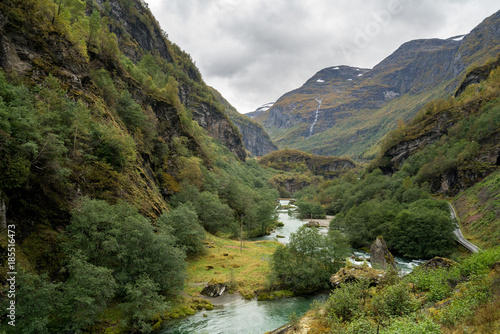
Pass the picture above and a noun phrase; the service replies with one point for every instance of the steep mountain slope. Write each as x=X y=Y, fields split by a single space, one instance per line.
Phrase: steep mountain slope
x=451 y=144
x=255 y=138
x=260 y=110
x=344 y=110
x=106 y=129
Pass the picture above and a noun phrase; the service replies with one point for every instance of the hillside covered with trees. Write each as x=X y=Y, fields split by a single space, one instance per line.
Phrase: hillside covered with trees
x=125 y=186
x=109 y=179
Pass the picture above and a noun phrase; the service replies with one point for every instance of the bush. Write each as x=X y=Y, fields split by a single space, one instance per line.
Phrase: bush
x=412 y=326
x=394 y=300
x=346 y=302
x=464 y=304
x=434 y=281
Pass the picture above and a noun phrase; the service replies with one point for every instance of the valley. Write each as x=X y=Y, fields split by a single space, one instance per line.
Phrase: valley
x=128 y=185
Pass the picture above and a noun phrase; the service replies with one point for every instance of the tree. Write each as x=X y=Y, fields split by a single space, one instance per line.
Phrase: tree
x=35 y=301
x=86 y=293
x=310 y=210
x=424 y=230
x=308 y=261
x=214 y=215
x=363 y=223
x=117 y=237
x=143 y=303
x=188 y=232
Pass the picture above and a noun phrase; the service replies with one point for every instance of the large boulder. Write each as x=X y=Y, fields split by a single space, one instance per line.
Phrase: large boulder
x=214 y=289
x=380 y=257
x=355 y=274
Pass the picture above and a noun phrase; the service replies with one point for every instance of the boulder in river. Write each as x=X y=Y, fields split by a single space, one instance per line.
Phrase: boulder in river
x=214 y=289
x=380 y=257
x=312 y=223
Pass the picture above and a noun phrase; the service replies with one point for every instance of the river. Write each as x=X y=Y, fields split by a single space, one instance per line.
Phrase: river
x=232 y=314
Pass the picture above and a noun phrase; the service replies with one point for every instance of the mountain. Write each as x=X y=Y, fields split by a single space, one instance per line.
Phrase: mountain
x=260 y=110
x=116 y=160
x=450 y=144
x=254 y=137
x=344 y=110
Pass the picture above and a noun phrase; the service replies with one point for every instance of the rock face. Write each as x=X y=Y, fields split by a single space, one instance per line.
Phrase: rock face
x=220 y=127
x=209 y=116
x=438 y=262
x=355 y=274
x=255 y=138
x=214 y=290
x=440 y=124
x=380 y=257
x=288 y=160
x=343 y=110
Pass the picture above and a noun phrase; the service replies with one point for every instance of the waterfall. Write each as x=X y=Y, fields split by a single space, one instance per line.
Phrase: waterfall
x=315 y=117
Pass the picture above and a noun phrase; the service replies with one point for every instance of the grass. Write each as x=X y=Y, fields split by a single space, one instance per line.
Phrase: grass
x=479 y=211
x=244 y=270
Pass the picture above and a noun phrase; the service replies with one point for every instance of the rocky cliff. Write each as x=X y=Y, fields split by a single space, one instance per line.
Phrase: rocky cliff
x=295 y=160
x=130 y=27
x=255 y=138
x=454 y=143
x=111 y=102
x=344 y=110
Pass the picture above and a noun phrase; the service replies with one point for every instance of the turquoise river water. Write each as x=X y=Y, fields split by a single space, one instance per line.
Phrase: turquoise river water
x=234 y=315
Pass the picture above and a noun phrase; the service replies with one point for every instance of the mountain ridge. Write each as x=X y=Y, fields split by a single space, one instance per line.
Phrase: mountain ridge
x=357 y=111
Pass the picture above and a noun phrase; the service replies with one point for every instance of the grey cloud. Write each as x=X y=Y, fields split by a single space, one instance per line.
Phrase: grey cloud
x=256 y=50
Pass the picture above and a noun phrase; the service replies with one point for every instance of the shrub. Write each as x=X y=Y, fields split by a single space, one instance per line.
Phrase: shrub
x=394 y=300
x=464 y=303
x=346 y=302
x=410 y=326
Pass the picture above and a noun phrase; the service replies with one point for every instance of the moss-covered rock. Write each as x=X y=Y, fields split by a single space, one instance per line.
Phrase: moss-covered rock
x=351 y=274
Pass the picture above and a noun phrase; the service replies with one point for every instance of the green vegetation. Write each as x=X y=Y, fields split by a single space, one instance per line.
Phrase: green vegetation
x=470 y=122
x=478 y=210
x=106 y=173
x=306 y=263
x=124 y=201
x=394 y=207
x=244 y=266
x=417 y=303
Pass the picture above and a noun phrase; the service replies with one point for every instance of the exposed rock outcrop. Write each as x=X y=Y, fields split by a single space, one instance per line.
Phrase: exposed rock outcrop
x=438 y=262
x=380 y=257
x=255 y=138
x=355 y=274
x=288 y=160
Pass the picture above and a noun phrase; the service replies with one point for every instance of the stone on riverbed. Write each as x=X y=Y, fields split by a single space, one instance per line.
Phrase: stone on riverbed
x=312 y=223
x=214 y=289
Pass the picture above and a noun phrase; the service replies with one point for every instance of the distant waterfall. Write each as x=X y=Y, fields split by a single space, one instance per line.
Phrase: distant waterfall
x=315 y=117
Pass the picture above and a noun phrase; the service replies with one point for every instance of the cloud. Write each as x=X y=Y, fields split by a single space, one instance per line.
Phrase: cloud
x=253 y=51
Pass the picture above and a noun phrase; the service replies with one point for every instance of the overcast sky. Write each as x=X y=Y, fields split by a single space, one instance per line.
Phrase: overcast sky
x=254 y=51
